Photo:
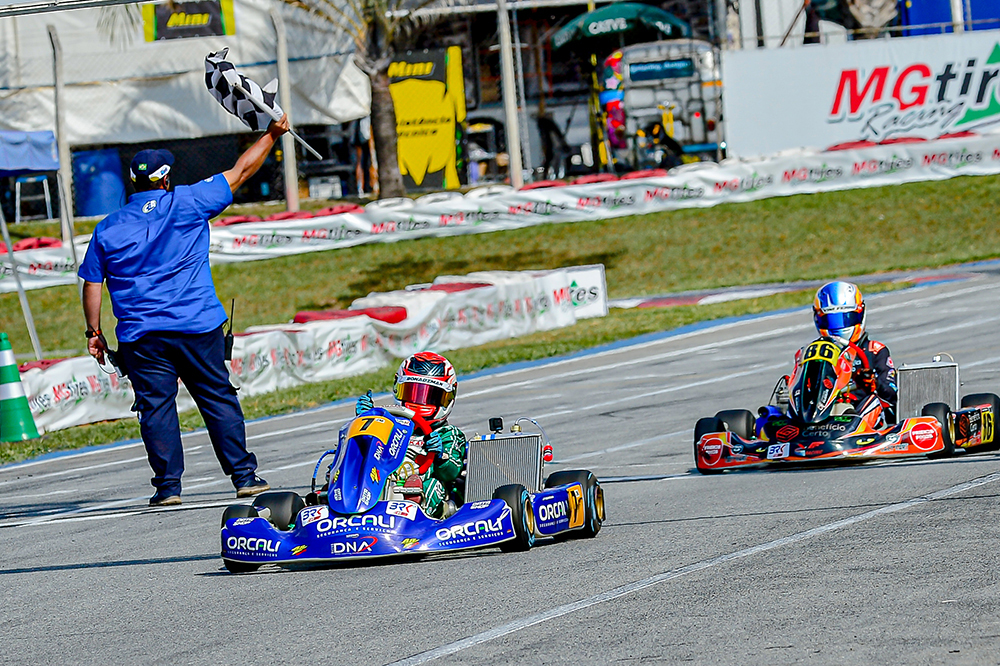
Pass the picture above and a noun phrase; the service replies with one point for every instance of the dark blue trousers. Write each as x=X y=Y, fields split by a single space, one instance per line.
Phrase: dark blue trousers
x=154 y=362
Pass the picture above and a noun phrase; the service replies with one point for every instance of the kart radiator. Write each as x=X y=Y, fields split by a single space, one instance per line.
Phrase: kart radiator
x=498 y=460
x=924 y=383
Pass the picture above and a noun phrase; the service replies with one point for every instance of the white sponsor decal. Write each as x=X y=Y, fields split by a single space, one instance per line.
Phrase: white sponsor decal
x=403 y=509
x=243 y=521
x=252 y=545
x=480 y=505
x=777 y=451
x=338 y=495
x=366 y=496
x=367 y=520
x=397 y=440
x=550 y=512
x=362 y=545
x=311 y=514
x=470 y=529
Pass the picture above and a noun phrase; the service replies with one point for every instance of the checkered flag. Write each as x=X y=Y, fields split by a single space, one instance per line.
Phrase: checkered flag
x=235 y=92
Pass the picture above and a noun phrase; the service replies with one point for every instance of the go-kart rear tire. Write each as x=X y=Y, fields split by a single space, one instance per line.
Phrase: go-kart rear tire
x=740 y=422
x=706 y=426
x=521 y=514
x=238 y=511
x=942 y=412
x=976 y=399
x=593 y=499
x=284 y=506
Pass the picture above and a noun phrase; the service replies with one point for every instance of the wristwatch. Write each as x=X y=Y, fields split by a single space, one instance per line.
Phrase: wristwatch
x=92 y=333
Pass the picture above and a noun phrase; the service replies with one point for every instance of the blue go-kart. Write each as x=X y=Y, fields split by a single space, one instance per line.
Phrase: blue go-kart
x=362 y=511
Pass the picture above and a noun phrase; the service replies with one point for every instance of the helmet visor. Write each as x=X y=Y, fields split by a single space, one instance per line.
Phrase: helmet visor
x=423 y=394
x=837 y=321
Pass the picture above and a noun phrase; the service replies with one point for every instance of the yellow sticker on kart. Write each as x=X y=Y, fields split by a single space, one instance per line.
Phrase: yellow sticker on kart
x=821 y=350
x=989 y=423
x=376 y=426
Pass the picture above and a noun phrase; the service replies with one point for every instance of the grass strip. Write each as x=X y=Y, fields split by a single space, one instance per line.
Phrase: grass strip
x=618 y=325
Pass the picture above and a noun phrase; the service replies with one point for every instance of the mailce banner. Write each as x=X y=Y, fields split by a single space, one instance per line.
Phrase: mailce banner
x=877 y=90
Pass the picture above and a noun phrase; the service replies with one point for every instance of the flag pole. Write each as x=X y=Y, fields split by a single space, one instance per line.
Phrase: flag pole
x=269 y=111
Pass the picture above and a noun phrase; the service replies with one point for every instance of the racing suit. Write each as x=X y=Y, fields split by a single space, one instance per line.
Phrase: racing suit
x=882 y=379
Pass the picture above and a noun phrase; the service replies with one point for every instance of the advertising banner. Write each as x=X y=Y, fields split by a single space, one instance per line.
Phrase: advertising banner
x=493 y=209
x=177 y=20
x=866 y=90
x=428 y=93
x=453 y=312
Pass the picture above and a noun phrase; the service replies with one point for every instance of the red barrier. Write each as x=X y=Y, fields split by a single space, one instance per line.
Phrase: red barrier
x=41 y=365
x=452 y=287
x=902 y=139
x=289 y=215
x=851 y=145
x=595 y=178
x=543 y=183
x=340 y=209
x=36 y=243
x=389 y=314
x=235 y=219
x=646 y=173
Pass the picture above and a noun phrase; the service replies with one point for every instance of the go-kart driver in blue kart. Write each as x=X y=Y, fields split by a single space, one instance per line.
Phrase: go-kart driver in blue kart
x=426 y=384
x=839 y=313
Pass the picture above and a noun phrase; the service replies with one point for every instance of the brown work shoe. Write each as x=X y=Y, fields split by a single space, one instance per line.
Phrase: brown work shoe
x=164 y=500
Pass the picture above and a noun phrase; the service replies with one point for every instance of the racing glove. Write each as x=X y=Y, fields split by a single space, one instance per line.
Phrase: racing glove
x=442 y=440
x=448 y=443
x=434 y=496
x=363 y=404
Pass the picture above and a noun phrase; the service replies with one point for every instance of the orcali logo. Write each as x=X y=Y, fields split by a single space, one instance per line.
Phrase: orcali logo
x=148 y=206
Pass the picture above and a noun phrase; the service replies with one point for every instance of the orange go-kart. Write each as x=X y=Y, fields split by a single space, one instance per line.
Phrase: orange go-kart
x=821 y=415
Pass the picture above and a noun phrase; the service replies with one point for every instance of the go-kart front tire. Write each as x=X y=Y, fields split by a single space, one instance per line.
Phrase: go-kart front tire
x=942 y=412
x=740 y=422
x=593 y=499
x=521 y=514
x=284 y=508
x=238 y=511
x=706 y=426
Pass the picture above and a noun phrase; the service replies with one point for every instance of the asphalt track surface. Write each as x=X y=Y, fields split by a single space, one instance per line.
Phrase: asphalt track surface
x=891 y=563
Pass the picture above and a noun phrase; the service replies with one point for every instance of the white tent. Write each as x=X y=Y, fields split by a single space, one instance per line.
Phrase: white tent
x=136 y=91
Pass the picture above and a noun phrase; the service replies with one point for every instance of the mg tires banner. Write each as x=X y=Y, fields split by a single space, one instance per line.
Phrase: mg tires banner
x=868 y=90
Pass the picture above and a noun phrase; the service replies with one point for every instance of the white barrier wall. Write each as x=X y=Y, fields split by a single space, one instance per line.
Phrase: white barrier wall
x=265 y=358
x=872 y=90
x=492 y=209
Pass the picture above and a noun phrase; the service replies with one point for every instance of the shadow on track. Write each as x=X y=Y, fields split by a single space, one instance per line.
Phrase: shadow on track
x=103 y=565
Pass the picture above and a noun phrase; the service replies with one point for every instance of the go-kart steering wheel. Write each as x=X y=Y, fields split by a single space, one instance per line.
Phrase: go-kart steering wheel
x=406 y=412
x=865 y=365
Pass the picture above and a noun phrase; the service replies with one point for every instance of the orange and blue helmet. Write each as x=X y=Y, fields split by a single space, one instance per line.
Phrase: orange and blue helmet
x=839 y=311
x=426 y=383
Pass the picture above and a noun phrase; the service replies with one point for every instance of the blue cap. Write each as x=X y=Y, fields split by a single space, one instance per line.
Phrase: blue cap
x=150 y=166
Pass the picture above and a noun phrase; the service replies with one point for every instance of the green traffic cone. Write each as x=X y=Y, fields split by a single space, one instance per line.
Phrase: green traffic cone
x=16 y=422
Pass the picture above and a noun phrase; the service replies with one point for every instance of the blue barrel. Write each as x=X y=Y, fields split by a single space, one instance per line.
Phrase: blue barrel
x=98 y=182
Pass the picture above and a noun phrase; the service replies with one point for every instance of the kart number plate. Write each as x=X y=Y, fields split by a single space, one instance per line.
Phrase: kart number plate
x=777 y=451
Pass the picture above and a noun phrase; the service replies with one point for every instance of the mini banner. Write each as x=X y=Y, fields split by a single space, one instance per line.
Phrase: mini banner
x=177 y=20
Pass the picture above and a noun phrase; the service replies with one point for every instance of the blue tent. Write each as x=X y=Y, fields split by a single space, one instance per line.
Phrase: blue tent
x=24 y=152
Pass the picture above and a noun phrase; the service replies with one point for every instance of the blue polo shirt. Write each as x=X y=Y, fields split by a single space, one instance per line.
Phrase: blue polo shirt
x=154 y=255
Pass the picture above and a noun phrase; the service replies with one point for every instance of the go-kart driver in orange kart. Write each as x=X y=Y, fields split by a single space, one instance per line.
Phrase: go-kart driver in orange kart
x=839 y=314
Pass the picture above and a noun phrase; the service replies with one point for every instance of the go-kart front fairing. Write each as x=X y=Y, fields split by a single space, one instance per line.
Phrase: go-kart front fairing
x=821 y=424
